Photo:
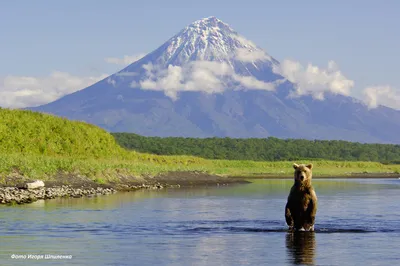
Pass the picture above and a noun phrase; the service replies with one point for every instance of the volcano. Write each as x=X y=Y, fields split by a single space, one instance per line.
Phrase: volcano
x=209 y=81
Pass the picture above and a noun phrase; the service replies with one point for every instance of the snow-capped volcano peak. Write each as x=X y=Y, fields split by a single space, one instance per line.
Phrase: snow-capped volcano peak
x=210 y=25
x=208 y=39
x=207 y=55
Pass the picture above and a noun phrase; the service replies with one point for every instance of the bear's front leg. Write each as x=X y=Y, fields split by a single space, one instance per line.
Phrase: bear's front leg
x=288 y=217
x=311 y=212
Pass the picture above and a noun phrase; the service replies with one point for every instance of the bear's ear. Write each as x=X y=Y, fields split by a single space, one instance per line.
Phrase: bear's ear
x=309 y=166
x=295 y=165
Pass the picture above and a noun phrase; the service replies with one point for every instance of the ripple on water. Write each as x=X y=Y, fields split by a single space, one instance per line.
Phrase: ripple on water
x=263 y=226
x=276 y=230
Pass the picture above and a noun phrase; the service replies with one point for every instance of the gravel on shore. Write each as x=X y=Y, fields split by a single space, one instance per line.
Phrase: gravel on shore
x=16 y=191
x=10 y=195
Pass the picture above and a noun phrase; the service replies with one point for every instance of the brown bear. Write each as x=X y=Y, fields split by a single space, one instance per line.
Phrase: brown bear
x=301 y=206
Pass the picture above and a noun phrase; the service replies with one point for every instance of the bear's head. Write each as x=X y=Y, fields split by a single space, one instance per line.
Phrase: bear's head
x=302 y=174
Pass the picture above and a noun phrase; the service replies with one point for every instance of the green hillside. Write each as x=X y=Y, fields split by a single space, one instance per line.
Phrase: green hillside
x=34 y=133
x=38 y=145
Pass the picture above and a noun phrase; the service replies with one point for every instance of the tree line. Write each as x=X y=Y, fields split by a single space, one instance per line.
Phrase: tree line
x=257 y=149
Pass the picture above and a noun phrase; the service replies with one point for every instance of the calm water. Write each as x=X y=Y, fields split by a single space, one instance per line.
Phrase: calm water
x=358 y=223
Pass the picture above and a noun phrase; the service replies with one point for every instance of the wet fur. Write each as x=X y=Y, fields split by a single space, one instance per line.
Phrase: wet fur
x=301 y=206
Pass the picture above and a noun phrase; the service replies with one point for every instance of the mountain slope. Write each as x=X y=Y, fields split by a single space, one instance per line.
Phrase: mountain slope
x=208 y=80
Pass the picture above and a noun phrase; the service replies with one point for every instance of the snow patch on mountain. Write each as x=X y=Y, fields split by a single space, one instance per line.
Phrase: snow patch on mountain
x=210 y=39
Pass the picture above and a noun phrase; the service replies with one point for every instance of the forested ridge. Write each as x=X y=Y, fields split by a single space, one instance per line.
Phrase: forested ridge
x=269 y=149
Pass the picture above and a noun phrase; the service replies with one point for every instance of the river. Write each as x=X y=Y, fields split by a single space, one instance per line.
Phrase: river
x=357 y=223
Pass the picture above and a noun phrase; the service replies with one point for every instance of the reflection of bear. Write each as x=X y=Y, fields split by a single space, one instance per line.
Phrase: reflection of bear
x=301 y=247
x=301 y=206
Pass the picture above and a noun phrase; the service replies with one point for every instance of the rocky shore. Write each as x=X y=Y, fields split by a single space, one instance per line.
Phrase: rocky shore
x=20 y=191
x=22 y=195
x=10 y=195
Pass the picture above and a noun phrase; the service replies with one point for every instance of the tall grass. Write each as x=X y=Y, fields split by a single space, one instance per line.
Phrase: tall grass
x=46 y=167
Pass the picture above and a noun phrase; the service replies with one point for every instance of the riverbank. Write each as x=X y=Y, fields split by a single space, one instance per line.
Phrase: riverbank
x=15 y=195
x=137 y=166
x=75 y=186
x=79 y=176
x=326 y=176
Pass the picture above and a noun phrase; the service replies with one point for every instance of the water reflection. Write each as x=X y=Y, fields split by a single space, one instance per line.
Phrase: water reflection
x=301 y=247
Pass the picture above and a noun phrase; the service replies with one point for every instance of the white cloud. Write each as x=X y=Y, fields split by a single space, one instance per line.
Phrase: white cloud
x=126 y=60
x=23 y=91
x=253 y=83
x=199 y=76
x=382 y=95
x=243 y=41
x=314 y=80
x=205 y=76
x=149 y=69
x=317 y=81
x=250 y=55
x=111 y=81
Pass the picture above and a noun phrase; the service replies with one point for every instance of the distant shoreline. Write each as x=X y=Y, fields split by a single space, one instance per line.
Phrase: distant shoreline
x=76 y=186
x=343 y=176
x=176 y=178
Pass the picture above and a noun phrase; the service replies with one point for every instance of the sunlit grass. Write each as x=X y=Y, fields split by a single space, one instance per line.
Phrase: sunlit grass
x=139 y=165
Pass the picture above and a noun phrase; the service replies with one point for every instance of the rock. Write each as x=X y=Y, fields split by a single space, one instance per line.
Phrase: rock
x=34 y=191
x=34 y=185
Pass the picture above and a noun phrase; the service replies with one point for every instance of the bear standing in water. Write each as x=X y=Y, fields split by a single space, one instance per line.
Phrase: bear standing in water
x=301 y=206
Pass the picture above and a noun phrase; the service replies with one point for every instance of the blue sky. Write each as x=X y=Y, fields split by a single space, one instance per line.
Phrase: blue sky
x=74 y=37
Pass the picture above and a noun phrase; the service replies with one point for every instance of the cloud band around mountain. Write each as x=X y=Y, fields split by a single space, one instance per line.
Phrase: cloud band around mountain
x=210 y=77
x=205 y=76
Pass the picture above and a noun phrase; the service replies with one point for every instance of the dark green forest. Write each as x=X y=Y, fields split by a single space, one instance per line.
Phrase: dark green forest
x=269 y=149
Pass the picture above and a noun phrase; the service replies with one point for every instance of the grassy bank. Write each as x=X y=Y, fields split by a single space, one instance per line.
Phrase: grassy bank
x=39 y=146
x=112 y=170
